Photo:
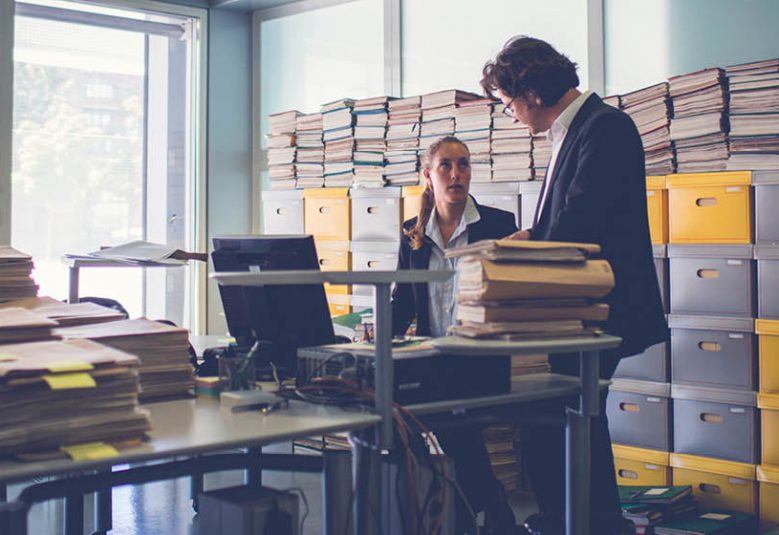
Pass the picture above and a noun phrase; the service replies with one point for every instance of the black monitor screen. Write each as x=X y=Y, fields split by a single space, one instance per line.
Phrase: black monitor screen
x=284 y=317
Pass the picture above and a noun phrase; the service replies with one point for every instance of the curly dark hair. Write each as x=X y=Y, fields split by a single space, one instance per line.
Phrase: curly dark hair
x=529 y=67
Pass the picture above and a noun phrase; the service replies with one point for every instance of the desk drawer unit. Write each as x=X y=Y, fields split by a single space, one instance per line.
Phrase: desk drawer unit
x=503 y=196
x=659 y=252
x=715 y=423
x=376 y=214
x=640 y=414
x=769 y=423
x=712 y=279
x=766 y=185
x=713 y=351
x=657 y=208
x=711 y=208
x=528 y=199
x=768 y=478
x=282 y=212
x=412 y=197
x=368 y=256
x=717 y=484
x=654 y=364
x=640 y=466
x=767 y=281
x=327 y=212
x=768 y=343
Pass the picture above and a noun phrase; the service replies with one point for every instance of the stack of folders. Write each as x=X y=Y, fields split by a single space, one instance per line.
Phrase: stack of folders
x=63 y=393
x=22 y=325
x=369 y=131
x=309 y=165
x=699 y=127
x=512 y=148
x=402 y=161
x=65 y=314
x=754 y=115
x=162 y=349
x=710 y=523
x=281 y=149
x=338 y=135
x=517 y=290
x=438 y=112
x=615 y=101
x=472 y=124
x=15 y=274
x=646 y=506
x=499 y=441
x=542 y=153
x=650 y=110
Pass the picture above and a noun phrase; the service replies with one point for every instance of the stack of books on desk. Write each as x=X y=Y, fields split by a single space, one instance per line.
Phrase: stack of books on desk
x=162 y=350
x=512 y=148
x=754 y=115
x=438 y=113
x=338 y=135
x=15 y=274
x=65 y=314
x=369 y=132
x=646 y=506
x=402 y=160
x=281 y=149
x=650 y=110
x=63 y=393
x=542 y=153
x=472 y=124
x=309 y=163
x=517 y=290
x=699 y=127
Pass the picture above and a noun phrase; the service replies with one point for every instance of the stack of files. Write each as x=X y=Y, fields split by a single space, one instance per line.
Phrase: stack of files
x=542 y=153
x=401 y=156
x=338 y=135
x=516 y=290
x=162 y=349
x=401 y=167
x=754 y=115
x=281 y=149
x=310 y=158
x=63 y=393
x=709 y=523
x=532 y=364
x=64 y=314
x=142 y=253
x=512 y=148
x=438 y=114
x=369 y=133
x=615 y=101
x=22 y=325
x=473 y=122
x=646 y=506
x=650 y=111
x=499 y=441
x=699 y=127
x=15 y=274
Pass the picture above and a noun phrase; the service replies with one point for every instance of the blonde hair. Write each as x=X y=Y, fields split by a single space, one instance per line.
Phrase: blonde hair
x=417 y=233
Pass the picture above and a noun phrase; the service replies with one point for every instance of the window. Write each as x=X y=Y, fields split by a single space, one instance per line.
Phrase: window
x=100 y=91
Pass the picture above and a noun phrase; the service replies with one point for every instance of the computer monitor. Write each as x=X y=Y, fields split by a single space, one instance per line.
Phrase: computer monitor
x=283 y=318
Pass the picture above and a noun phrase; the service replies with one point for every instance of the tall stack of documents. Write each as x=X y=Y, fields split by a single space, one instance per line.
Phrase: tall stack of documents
x=542 y=153
x=499 y=441
x=512 y=148
x=15 y=274
x=64 y=393
x=309 y=163
x=338 y=135
x=162 y=349
x=281 y=149
x=438 y=112
x=699 y=127
x=369 y=132
x=649 y=109
x=65 y=314
x=754 y=115
x=515 y=290
x=401 y=156
x=22 y=325
x=472 y=125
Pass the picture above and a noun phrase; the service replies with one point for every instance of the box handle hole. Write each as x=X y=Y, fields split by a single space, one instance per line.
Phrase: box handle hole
x=324 y=262
x=629 y=407
x=709 y=489
x=706 y=202
x=281 y=211
x=709 y=346
x=324 y=209
x=708 y=273
x=373 y=264
x=628 y=474
x=373 y=210
x=710 y=418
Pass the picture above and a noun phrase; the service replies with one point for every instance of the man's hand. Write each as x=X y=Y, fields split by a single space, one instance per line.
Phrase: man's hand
x=519 y=235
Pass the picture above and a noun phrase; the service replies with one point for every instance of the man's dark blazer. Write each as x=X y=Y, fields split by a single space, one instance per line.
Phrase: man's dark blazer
x=598 y=195
x=412 y=300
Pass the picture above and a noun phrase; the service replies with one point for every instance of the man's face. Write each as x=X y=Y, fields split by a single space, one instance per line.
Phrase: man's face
x=526 y=110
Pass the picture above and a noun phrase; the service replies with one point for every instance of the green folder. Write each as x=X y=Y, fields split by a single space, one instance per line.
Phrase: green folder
x=653 y=494
x=708 y=523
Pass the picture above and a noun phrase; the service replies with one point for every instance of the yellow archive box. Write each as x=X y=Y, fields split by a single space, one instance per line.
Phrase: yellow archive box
x=768 y=342
x=334 y=255
x=717 y=484
x=710 y=207
x=412 y=198
x=768 y=476
x=769 y=424
x=327 y=213
x=657 y=208
x=640 y=466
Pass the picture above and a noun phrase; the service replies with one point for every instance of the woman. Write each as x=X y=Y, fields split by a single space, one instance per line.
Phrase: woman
x=449 y=217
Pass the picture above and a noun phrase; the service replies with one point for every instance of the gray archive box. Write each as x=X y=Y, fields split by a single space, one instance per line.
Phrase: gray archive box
x=767 y=281
x=640 y=414
x=282 y=212
x=654 y=364
x=713 y=351
x=712 y=279
x=367 y=256
x=659 y=253
x=376 y=214
x=766 y=185
x=528 y=199
x=716 y=423
x=502 y=195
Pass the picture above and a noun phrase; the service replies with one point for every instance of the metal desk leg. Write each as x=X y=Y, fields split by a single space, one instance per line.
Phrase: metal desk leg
x=384 y=372
x=3 y=493
x=73 y=285
x=253 y=476
x=103 y=511
x=367 y=475
x=195 y=488
x=74 y=514
x=337 y=491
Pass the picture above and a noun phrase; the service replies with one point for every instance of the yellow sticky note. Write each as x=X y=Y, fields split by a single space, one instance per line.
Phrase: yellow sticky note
x=90 y=451
x=5 y=357
x=70 y=380
x=69 y=366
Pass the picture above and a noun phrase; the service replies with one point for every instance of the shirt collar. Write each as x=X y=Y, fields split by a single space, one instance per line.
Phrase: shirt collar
x=563 y=122
x=470 y=215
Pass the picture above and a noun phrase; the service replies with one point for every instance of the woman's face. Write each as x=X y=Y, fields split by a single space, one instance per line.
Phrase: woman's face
x=449 y=175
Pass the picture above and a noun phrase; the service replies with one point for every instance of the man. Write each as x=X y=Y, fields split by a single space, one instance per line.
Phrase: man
x=594 y=191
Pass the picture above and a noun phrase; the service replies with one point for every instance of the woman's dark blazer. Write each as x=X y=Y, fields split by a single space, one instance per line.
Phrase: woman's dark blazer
x=411 y=300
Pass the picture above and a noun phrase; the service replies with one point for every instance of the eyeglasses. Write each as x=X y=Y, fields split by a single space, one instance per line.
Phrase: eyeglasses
x=508 y=111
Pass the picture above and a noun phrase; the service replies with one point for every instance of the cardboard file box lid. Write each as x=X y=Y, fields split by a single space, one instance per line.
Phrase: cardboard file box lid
x=766 y=252
x=694 y=180
x=765 y=178
x=642 y=455
x=767 y=327
x=714 y=466
x=767 y=473
x=375 y=193
x=768 y=401
x=412 y=191
x=496 y=188
x=655 y=182
x=325 y=193
x=647 y=388
x=387 y=247
x=744 y=252
x=282 y=195
x=531 y=187
x=712 y=323
x=714 y=395
x=659 y=250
